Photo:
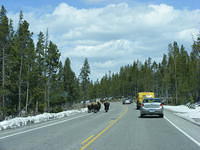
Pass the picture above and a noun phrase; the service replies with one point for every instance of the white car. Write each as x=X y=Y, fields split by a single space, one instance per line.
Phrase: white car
x=126 y=101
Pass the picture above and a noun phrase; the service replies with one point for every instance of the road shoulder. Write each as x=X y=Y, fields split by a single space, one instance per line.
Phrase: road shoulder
x=188 y=127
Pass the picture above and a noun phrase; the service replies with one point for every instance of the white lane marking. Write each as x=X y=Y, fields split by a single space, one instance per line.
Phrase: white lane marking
x=37 y=124
x=187 y=135
x=59 y=122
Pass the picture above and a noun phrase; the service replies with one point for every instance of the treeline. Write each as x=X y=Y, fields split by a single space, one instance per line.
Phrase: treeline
x=34 y=80
x=176 y=77
x=32 y=77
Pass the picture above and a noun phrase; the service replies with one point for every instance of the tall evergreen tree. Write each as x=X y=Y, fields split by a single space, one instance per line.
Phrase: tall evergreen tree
x=52 y=63
x=70 y=82
x=195 y=68
x=165 y=77
x=40 y=68
x=4 y=44
x=24 y=43
x=84 y=78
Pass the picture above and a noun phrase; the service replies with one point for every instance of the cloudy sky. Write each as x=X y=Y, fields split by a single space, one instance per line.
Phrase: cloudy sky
x=110 y=33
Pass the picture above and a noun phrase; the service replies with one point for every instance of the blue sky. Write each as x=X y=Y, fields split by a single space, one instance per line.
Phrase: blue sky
x=110 y=33
x=26 y=5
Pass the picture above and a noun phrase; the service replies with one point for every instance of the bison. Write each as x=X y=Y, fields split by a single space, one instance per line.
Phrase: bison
x=94 y=107
x=106 y=106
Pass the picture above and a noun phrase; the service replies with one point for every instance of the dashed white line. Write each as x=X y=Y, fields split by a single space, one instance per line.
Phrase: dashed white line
x=183 y=132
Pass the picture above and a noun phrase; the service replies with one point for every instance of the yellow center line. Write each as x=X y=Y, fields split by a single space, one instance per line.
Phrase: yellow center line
x=87 y=139
x=111 y=123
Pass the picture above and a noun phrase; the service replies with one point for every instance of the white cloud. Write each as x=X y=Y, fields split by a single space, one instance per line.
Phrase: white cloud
x=186 y=34
x=94 y=1
x=108 y=64
x=111 y=49
x=116 y=34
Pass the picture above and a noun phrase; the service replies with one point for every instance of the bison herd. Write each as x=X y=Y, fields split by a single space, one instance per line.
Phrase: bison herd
x=96 y=106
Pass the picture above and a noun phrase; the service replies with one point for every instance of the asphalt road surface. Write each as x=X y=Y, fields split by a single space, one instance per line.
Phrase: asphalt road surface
x=119 y=129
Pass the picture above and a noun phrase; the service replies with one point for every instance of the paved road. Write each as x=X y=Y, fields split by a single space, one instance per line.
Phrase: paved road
x=119 y=129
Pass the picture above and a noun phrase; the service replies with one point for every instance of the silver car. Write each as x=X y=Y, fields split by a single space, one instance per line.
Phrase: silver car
x=126 y=101
x=151 y=106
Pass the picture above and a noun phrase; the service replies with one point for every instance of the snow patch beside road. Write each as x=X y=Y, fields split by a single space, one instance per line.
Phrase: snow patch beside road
x=186 y=113
x=23 y=121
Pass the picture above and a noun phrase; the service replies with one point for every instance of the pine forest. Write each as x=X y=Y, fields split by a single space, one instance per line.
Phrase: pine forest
x=34 y=80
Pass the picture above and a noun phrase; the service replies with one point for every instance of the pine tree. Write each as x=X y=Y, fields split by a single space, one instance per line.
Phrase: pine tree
x=84 y=78
x=29 y=70
x=195 y=68
x=40 y=68
x=4 y=44
x=52 y=63
x=23 y=53
x=183 y=75
x=173 y=57
x=165 y=77
x=70 y=82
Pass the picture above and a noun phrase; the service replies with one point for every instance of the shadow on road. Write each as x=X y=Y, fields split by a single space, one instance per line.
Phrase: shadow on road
x=152 y=116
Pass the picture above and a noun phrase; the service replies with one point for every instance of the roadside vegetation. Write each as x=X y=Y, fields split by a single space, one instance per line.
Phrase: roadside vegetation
x=34 y=80
x=176 y=78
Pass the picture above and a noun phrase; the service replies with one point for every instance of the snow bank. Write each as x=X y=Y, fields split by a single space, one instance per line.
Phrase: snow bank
x=23 y=121
x=179 y=109
x=185 y=112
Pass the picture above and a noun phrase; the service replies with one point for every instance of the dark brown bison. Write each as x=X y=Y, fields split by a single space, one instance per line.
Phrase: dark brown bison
x=94 y=107
x=106 y=106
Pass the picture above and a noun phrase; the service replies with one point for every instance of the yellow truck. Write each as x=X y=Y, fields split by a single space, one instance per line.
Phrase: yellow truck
x=142 y=95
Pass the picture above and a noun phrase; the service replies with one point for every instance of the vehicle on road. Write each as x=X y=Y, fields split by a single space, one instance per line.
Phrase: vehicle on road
x=126 y=101
x=142 y=95
x=151 y=106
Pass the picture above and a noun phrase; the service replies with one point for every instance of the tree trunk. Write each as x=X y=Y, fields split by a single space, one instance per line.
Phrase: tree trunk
x=162 y=90
x=36 y=107
x=166 y=95
x=27 y=89
x=45 y=98
x=3 y=79
x=27 y=96
x=48 y=93
x=176 y=84
x=3 y=83
x=19 y=87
